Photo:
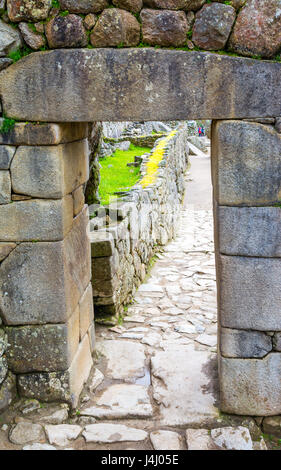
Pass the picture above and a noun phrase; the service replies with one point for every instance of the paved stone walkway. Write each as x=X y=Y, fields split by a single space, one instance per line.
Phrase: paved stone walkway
x=155 y=386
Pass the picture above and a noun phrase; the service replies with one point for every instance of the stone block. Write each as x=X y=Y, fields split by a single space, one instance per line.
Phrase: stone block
x=44 y=348
x=272 y=425
x=3 y=341
x=86 y=308
x=244 y=344
x=42 y=282
x=251 y=386
x=165 y=28
x=5 y=187
x=36 y=219
x=23 y=10
x=193 y=78
x=92 y=337
x=6 y=154
x=105 y=268
x=84 y=6
x=246 y=163
x=115 y=27
x=78 y=200
x=250 y=294
x=3 y=369
x=80 y=369
x=102 y=244
x=44 y=133
x=34 y=40
x=5 y=250
x=264 y=18
x=213 y=26
x=104 y=288
x=10 y=38
x=50 y=171
x=277 y=342
x=249 y=231
x=131 y=5
x=66 y=31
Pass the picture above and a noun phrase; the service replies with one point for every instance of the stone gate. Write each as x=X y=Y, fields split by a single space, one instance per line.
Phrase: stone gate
x=46 y=298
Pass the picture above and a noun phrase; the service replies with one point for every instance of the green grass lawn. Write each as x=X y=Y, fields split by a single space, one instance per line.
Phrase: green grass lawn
x=116 y=175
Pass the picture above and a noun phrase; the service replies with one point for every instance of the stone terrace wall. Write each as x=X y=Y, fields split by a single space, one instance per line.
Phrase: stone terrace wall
x=191 y=24
x=145 y=217
x=46 y=313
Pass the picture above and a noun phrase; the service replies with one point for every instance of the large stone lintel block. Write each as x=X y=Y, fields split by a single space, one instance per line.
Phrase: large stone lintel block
x=244 y=344
x=246 y=163
x=249 y=231
x=59 y=386
x=43 y=348
x=251 y=386
x=43 y=282
x=85 y=85
x=249 y=293
x=42 y=134
x=36 y=219
x=50 y=171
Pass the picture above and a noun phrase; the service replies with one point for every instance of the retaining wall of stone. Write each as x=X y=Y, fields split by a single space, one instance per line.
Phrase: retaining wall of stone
x=46 y=311
x=246 y=176
x=144 y=217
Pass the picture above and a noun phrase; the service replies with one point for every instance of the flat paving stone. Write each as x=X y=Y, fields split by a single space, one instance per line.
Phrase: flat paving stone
x=166 y=440
x=125 y=359
x=62 y=434
x=182 y=381
x=108 y=433
x=232 y=438
x=121 y=401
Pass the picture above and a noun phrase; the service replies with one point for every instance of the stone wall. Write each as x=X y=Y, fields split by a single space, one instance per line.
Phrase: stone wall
x=192 y=24
x=246 y=176
x=144 y=217
x=46 y=311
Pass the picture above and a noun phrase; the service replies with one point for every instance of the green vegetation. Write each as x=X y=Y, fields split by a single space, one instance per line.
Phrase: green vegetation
x=55 y=4
x=116 y=175
x=19 y=53
x=7 y=125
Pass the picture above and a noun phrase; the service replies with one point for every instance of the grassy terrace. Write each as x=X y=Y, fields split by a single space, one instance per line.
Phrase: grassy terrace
x=116 y=175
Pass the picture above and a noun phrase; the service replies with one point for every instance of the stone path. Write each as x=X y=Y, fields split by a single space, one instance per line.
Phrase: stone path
x=156 y=377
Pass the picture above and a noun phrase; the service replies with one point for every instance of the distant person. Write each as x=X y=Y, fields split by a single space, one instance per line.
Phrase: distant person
x=199 y=131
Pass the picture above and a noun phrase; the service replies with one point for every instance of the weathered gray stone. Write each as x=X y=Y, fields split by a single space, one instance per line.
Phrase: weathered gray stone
x=250 y=295
x=232 y=438
x=174 y=375
x=86 y=309
x=278 y=124
x=59 y=386
x=7 y=391
x=5 y=250
x=131 y=5
x=3 y=342
x=241 y=343
x=272 y=425
x=50 y=172
x=121 y=401
x=36 y=219
x=43 y=134
x=5 y=62
x=43 y=348
x=165 y=28
x=247 y=163
x=97 y=379
x=213 y=25
x=104 y=288
x=90 y=21
x=277 y=342
x=66 y=31
x=165 y=440
x=32 y=39
x=175 y=85
x=104 y=432
x=249 y=231
x=61 y=434
x=26 y=432
x=5 y=187
x=105 y=268
x=6 y=154
x=102 y=244
x=199 y=439
x=27 y=10
x=251 y=386
x=84 y=6
x=116 y=27
x=125 y=359
x=3 y=369
x=175 y=4
x=33 y=295
x=78 y=200
x=10 y=39
x=257 y=30
x=38 y=446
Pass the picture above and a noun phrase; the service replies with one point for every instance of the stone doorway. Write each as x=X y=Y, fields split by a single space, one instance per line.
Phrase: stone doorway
x=246 y=192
